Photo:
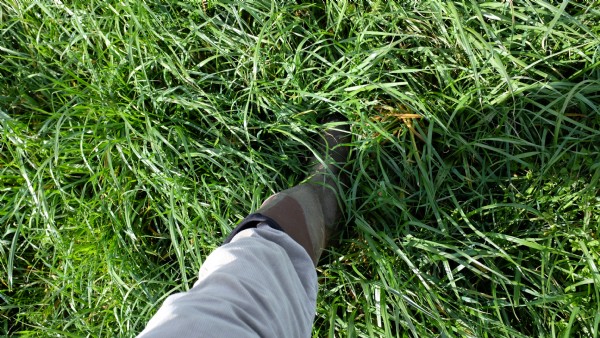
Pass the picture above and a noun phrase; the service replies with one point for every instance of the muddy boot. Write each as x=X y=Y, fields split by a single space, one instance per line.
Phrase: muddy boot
x=309 y=212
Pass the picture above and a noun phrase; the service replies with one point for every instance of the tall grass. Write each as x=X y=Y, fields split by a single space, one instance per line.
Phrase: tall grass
x=136 y=134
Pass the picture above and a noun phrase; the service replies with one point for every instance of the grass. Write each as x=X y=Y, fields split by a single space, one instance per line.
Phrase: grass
x=136 y=134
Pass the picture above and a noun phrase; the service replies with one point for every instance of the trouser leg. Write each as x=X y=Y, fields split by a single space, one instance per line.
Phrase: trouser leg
x=261 y=284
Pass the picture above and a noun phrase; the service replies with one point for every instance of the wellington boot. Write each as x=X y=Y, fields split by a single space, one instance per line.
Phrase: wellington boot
x=310 y=211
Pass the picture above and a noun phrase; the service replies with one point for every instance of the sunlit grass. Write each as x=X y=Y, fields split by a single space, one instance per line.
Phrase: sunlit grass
x=135 y=135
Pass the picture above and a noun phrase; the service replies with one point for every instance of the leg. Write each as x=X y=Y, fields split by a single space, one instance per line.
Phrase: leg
x=262 y=282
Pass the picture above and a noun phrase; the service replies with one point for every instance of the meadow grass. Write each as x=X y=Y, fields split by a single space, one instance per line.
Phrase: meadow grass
x=136 y=134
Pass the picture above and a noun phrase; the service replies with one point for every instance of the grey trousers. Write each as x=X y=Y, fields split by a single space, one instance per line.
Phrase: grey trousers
x=261 y=284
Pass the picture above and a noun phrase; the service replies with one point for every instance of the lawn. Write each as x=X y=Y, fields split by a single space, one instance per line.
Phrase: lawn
x=135 y=134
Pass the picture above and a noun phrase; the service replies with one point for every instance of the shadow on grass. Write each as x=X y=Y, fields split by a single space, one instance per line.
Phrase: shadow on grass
x=474 y=229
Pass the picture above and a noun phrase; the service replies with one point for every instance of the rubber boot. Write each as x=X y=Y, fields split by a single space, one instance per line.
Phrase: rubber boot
x=309 y=212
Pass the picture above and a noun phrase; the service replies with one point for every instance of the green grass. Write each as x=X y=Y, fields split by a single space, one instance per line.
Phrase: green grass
x=134 y=135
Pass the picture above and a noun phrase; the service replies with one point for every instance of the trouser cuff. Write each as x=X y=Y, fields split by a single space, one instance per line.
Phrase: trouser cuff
x=251 y=222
